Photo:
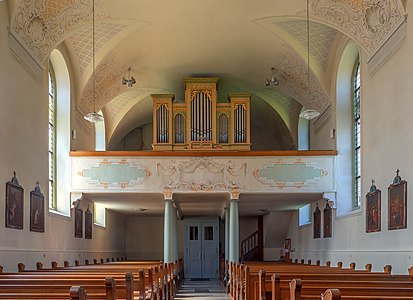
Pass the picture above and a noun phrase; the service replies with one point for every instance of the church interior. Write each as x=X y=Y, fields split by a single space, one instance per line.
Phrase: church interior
x=270 y=128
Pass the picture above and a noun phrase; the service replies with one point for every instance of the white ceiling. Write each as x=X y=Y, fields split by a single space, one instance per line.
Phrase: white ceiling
x=202 y=204
x=163 y=42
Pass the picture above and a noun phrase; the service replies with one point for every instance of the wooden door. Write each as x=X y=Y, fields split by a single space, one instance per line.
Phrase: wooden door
x=201 y=248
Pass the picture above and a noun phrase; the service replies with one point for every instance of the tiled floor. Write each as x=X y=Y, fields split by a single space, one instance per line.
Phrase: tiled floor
x=202 y=290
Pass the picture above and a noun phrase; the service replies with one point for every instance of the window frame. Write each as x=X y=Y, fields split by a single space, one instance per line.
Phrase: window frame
x=356 y=134
x=52 y=138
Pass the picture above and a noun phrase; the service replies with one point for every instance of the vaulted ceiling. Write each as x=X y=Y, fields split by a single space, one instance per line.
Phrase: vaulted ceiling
x=164 y=41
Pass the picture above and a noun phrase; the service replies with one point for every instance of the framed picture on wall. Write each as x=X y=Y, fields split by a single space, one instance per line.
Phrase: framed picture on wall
x=88 y=223
x=327 y=221
x=397 y=204
x=78 y=221
x=317 y=223
x=36 y=210
x=373 y=209
x=14 y=203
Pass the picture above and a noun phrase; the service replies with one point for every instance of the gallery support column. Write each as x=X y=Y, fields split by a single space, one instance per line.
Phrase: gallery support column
x=226 y=233
x=234 y=228
x=174 y=234
x=167 y=232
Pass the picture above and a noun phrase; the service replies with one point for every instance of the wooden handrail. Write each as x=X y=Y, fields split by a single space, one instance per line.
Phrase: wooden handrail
x=249 y=243
x=206 y=153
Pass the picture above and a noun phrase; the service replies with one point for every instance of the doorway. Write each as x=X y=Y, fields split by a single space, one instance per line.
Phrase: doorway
x=201 y=258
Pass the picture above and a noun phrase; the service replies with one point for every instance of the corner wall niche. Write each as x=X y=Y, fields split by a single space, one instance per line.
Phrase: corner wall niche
x=201 y=123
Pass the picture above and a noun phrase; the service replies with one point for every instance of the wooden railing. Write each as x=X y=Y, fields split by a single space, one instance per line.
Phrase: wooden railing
x=249 y=246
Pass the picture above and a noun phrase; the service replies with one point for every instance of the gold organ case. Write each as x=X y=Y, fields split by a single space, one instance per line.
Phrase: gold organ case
x=201 y=123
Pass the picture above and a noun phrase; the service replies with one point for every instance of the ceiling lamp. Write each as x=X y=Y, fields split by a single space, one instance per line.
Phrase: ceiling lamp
x=130 y=81
x=273 y=79
x=93 y=117
x=309 y=113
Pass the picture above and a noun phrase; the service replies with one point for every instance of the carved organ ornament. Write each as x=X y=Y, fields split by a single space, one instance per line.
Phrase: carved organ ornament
x=201 y=123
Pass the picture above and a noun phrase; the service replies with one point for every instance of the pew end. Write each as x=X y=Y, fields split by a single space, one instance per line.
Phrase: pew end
x=21 y=267
x=387 y=269
x=295 y=289
x=77 y=293
x=54 y=265
x=368 y=267
x=331 y=294
x=110 y=288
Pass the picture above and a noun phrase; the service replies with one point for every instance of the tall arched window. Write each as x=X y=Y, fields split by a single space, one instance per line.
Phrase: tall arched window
x=52 y=138
x=59 y=134
x=356 y=135
x=345 y=130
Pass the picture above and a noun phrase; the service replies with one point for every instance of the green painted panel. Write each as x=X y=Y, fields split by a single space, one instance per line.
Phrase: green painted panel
x=114 y=173
x=289 y=173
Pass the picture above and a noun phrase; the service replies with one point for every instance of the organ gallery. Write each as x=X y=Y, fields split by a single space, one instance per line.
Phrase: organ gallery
x=203 y=121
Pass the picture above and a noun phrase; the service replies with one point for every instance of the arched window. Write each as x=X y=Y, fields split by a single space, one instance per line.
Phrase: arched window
x=346 y=129
x=52 y=138
x=356 y=135
x=59 y=134
x=179 y=129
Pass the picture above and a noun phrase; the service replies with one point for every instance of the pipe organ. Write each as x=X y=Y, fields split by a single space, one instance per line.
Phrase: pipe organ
x=201 y=122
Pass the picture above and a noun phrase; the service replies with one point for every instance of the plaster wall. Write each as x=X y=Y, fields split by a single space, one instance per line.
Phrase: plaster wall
x=386 y=106
x=23 y=148
x=144 y=237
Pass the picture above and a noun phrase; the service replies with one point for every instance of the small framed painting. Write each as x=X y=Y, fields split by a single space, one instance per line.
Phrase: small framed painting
x=36 y=210
x=78 y=221
x=88 y=223
x=397 y=205
x=317 y=223
x=373 y=209
x=14 y=203
x=327 y=221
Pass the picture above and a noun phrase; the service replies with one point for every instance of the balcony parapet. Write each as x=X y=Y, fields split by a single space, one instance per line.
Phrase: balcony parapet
x=203 y=171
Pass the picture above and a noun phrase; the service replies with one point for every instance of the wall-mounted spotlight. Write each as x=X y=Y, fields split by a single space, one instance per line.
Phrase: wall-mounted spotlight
x=130 y=81
x=273 y=79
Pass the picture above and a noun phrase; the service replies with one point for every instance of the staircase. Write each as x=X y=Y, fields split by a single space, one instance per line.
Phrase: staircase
x=250 y=247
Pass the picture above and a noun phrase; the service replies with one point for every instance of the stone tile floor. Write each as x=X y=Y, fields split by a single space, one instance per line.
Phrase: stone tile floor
x=202 y=290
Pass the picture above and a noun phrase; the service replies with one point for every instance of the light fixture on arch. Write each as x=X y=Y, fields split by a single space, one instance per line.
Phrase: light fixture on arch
x=310 y=112
x=93 y=117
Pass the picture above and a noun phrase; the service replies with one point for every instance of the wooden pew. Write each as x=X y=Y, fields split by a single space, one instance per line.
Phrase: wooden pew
x=56 y=279
x=289 y=272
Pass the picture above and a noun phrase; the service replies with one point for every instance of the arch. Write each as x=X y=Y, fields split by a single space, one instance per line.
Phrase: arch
x=223 y=121
x=179 y=128
x=344 y=123
x=62 y=133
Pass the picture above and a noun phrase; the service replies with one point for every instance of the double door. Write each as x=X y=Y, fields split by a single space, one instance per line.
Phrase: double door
x=201 y=259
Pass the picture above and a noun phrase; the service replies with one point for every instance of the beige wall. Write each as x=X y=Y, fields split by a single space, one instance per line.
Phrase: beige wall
x=144 y=237
x=23 y=148
x=386 y=106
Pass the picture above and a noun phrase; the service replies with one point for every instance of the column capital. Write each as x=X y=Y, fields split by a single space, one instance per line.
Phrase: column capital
x=167 y=194
x=234 y=195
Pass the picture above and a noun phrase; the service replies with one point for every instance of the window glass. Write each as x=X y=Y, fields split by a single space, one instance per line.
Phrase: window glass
x=193 y=233
x=357 y=136
x=52 y=138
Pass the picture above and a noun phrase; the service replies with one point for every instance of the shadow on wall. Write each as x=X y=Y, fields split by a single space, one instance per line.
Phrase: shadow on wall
x=268 y=130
